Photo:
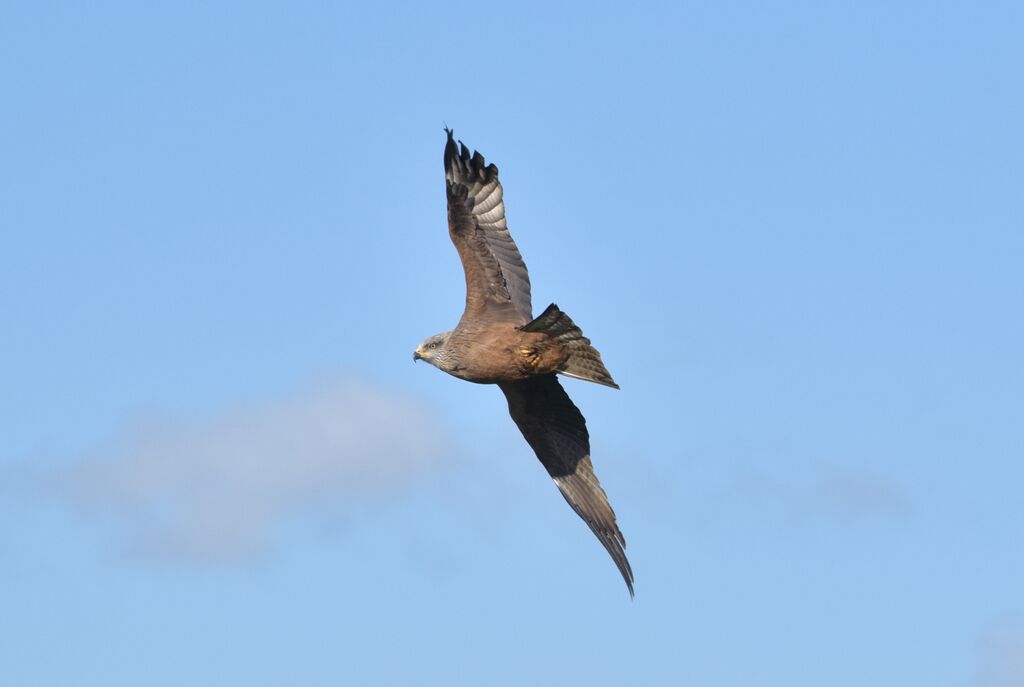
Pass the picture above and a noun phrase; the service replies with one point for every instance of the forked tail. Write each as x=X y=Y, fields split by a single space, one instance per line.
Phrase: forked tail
x=584 y=362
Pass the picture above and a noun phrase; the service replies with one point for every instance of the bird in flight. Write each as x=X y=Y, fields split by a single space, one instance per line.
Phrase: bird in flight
x=499 y=341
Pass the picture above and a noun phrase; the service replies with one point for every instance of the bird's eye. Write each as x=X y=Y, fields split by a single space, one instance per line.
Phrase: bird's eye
x=431 y=345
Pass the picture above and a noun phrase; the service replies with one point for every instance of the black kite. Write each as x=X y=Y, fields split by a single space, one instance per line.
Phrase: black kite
x=498 y=341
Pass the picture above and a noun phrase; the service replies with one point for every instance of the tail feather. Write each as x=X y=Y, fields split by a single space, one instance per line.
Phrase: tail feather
x=584 y=361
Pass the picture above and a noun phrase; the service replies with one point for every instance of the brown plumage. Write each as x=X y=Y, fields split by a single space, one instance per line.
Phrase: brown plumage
x=498 y=341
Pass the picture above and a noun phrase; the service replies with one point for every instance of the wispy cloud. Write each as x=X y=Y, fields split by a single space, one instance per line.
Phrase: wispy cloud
x=215 y=488
x=827 y=490
x=1001 y=653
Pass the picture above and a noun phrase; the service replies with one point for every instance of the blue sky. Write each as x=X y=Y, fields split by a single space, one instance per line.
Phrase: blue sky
x=794 y=231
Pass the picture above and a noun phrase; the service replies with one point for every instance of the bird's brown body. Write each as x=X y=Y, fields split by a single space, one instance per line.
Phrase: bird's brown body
x=502 y=352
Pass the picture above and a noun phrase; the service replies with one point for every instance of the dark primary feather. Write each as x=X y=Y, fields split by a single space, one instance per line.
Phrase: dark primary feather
x=557 y=432
x=496 y=275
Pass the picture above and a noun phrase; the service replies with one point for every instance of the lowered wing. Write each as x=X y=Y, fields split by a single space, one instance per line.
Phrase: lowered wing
x=557 y=432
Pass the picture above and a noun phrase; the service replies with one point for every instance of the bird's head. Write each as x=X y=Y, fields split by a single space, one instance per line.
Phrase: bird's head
x=433 y=350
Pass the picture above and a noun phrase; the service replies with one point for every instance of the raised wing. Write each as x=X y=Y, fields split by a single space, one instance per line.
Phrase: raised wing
x=497 y=285
x=557 y=432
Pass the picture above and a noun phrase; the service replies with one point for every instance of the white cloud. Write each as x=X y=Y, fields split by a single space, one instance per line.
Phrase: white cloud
x=216 y=488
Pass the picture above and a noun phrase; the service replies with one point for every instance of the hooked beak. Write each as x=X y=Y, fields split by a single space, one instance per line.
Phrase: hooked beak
x=416 y=355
